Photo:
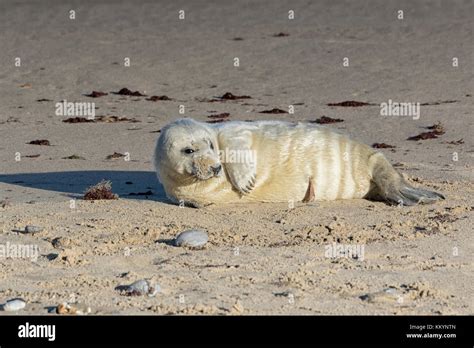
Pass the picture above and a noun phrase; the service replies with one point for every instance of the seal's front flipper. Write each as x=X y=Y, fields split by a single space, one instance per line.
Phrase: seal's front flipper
x=239 y=162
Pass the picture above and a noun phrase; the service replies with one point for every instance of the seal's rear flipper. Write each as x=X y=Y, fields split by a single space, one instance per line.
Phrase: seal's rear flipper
x=420 y=196
x=390 y=186
x=409 y=195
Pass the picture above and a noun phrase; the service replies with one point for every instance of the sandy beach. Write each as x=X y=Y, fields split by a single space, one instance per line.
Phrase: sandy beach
x=261 y=258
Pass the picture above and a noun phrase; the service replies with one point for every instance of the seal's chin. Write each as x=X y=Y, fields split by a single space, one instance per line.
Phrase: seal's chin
x=202 y=177
x=211 y=172
x=206 y=176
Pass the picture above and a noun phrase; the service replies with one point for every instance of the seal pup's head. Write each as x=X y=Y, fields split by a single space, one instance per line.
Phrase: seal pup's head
x=187 y=149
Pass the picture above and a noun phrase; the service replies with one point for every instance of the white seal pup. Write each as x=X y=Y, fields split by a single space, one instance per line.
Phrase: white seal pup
x=273 y=161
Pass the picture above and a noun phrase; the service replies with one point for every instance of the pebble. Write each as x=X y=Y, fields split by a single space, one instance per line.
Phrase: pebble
x=237 y=307
x=191 y=238
x=33 y=229
x=140 y=288
x=386 y=295
x=66 y=308
x=14 y=305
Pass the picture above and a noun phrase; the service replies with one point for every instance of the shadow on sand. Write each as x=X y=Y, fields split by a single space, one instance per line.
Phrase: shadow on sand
x=127 y=184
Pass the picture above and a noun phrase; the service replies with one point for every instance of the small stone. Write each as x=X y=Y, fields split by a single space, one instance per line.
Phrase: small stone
x=140 y=288
x=14 y=305
x=33 y=229
x=57 y=243
x=386 y=295
x=192 y=239
x=237 y=307
x=66 y=308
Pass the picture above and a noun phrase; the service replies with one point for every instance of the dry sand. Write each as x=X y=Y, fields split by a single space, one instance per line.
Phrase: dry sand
x=264 y=258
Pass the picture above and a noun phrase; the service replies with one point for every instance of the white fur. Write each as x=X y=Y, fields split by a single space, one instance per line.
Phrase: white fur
x=289 y=156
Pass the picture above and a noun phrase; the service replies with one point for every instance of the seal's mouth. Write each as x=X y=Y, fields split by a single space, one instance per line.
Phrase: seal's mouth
x=208 y=173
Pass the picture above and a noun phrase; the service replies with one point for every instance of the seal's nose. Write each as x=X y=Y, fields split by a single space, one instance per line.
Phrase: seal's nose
x=216 y=169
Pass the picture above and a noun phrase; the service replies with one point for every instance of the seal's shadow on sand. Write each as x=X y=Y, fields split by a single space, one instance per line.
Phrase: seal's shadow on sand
x=127 y=184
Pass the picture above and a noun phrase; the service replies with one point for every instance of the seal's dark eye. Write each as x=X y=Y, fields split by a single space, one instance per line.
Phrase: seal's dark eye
x=188 y=151
x=212 y=146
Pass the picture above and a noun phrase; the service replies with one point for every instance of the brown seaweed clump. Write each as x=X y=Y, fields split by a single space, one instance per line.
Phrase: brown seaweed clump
x=350 y=103
x=40 y=142
x=436 y=130
x=102 y=190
